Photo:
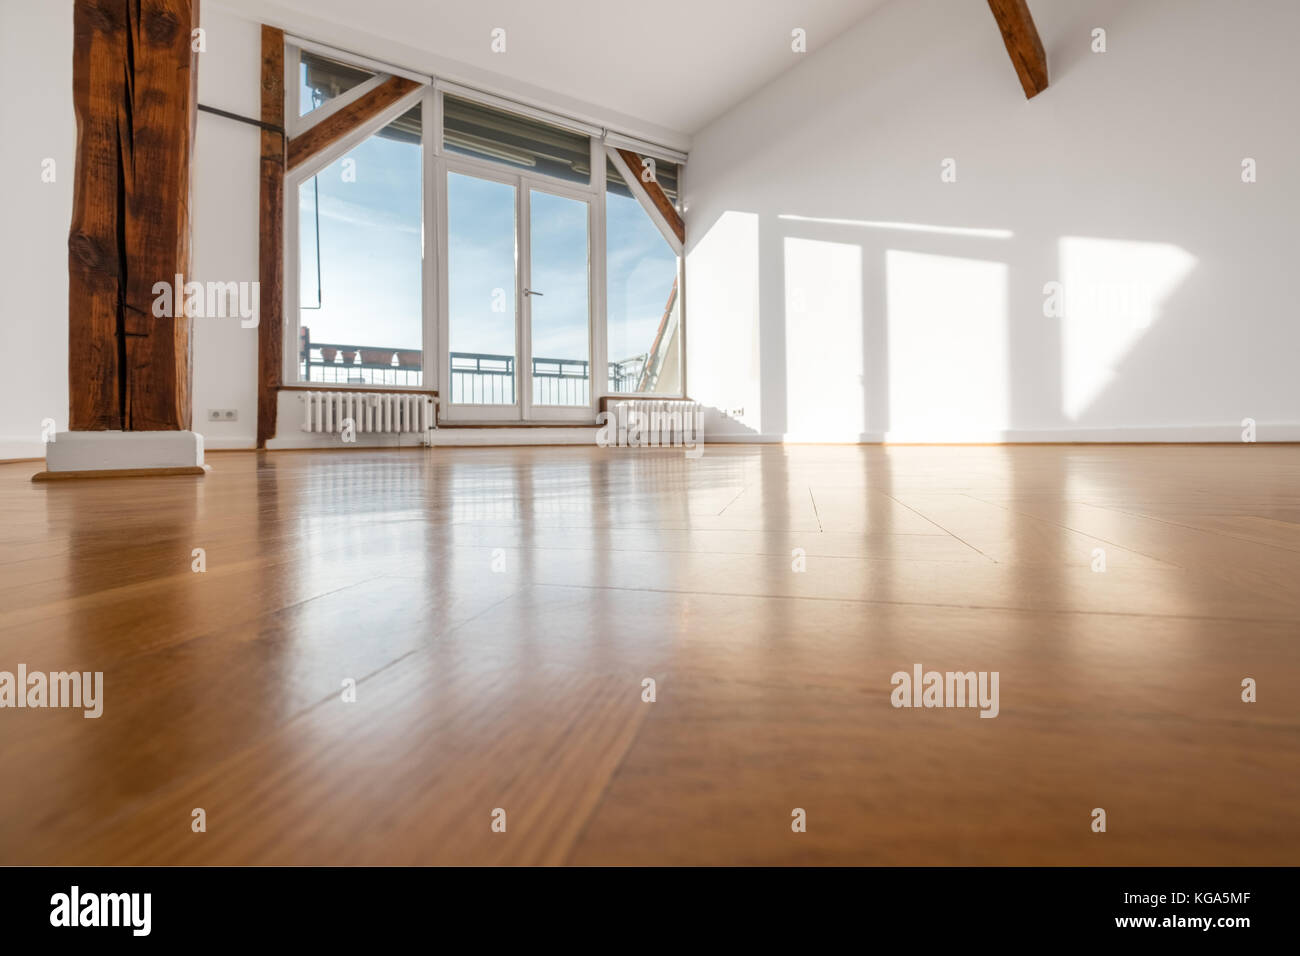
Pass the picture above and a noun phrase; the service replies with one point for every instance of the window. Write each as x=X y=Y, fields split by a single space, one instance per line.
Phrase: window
x=360 y=262
x=558 y=306
x=323 y=79
x=482 y=132
x=643 y=309
x=504 y=318
x=481 y=277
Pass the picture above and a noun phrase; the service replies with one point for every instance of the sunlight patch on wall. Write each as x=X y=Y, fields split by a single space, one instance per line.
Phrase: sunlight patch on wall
x=823 y=341
x=1110 y=293
x=722 y=344
x=947 y=327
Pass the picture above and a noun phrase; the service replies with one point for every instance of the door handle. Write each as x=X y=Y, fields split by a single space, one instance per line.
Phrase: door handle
x=531 y=292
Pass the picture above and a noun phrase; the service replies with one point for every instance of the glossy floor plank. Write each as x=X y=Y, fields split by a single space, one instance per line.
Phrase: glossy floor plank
x=499 y=610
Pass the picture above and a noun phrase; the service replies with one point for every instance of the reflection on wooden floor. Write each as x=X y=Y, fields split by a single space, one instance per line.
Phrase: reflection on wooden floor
x=499 y=610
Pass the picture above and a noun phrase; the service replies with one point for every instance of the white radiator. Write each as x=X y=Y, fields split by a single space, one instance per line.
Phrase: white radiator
x=370 y=413
x=656 y=422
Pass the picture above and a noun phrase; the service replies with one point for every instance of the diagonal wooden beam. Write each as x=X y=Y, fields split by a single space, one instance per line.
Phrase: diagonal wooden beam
x=334 y=127
x=656 y=194
x=1023 y=44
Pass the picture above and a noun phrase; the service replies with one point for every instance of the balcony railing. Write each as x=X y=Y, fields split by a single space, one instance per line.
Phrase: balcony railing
x=358 y=364
x=476 y=377
x=479 y=378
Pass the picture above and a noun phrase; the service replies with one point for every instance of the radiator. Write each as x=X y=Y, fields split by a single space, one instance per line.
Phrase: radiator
x=656 y=421
x=371 y=413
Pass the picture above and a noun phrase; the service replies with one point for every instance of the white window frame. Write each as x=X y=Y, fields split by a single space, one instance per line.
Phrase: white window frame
x=592 y=192
x=631 y=178
x=293 y=180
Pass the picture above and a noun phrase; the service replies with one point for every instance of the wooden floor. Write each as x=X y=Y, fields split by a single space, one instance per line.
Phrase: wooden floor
x=500 y=608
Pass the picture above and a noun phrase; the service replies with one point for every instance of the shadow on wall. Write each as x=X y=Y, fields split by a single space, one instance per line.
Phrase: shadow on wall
x=1092 y=268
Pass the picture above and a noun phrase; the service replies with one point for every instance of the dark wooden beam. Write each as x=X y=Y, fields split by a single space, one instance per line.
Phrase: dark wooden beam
x=1023 y=44
x=270 y=241
x=95 y=254
x=656 y=194
x=163 y=102
x=134 y=80
x=337 y=125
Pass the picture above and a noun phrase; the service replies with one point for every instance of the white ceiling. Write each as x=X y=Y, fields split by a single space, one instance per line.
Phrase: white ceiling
x=675 y=64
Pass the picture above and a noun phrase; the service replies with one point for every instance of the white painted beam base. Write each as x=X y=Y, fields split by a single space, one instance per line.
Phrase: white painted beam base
x=107 y=452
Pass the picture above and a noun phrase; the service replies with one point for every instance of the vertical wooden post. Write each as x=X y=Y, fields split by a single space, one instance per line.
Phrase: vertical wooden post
x=134 y=94
x=270 y=246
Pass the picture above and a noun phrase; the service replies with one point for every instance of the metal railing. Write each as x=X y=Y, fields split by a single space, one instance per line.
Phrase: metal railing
x=482 y=378
x=477 y=378
x=358 y=364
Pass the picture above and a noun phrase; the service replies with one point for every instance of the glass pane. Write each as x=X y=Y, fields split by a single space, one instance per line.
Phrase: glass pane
x=323 y=79
x=559 y=306
x=481 y=290
x=642 y=308
x=360 y=263
x=484 y=132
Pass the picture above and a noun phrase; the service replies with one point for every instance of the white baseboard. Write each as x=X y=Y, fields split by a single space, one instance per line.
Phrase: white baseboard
x=1265 y=432
x=236 y=443
x=14 y=447
x=326 y=440
x=514 y=436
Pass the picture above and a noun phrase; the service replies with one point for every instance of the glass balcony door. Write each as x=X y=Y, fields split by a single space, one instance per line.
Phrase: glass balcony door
x=518 y=299
x=483 y=296
x=557 y=305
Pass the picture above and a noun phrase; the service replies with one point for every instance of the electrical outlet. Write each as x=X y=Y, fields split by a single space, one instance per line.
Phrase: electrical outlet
x=223 y=415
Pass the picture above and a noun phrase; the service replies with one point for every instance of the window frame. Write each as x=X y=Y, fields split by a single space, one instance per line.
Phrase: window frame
x=435 y=165
x=293 y=180
x=522 y=410
x=611 y=147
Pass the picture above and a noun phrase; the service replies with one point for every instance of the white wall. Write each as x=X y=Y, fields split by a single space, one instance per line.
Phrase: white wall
x=36 y=123
x=1122 y=181
x=225 y=204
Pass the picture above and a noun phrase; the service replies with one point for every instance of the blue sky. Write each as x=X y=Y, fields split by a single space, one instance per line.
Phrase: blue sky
x=369 y=288
x=370 y=249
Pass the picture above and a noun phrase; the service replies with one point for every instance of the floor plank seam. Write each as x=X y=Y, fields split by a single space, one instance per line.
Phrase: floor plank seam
x=942 y=528
x=1086 y=534
x=929 y=604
